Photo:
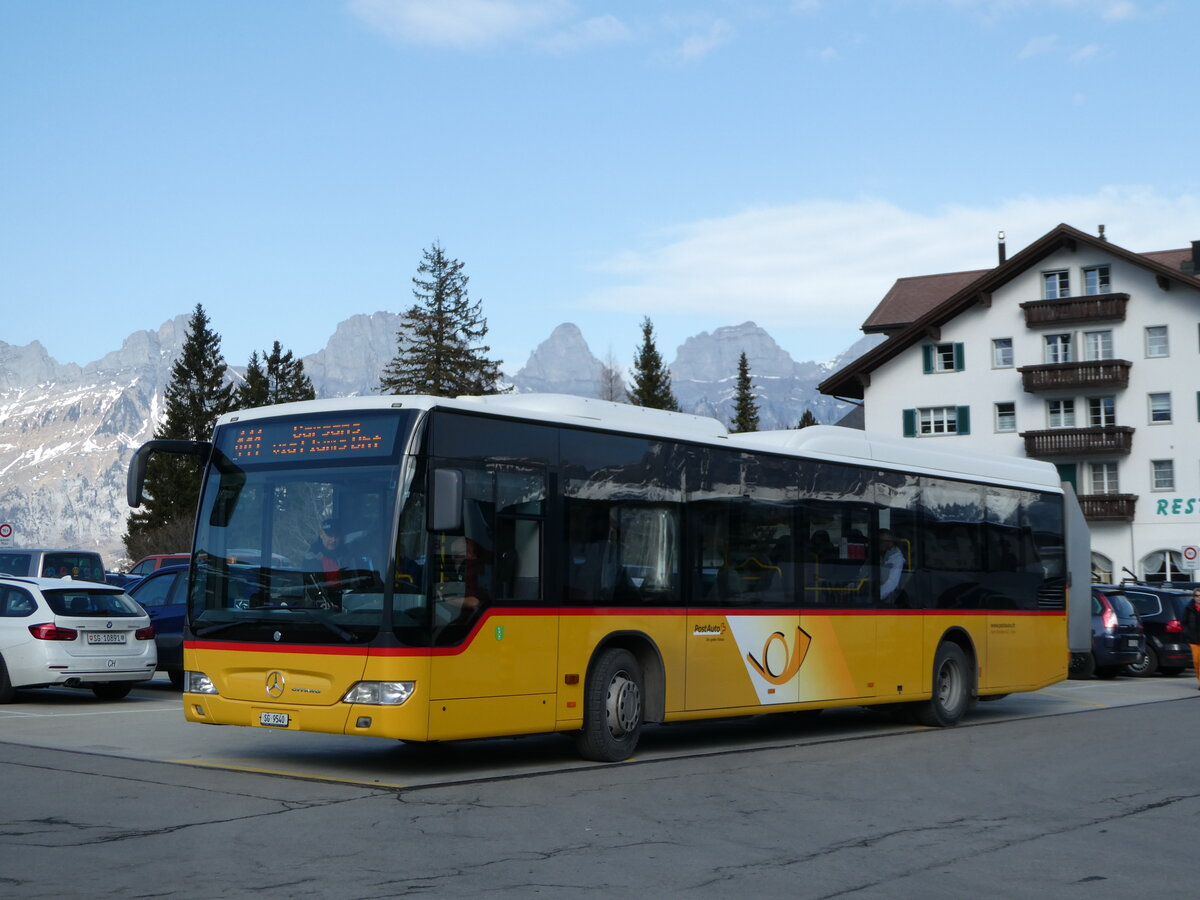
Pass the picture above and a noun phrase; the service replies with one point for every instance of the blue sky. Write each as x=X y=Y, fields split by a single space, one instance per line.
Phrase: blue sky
x=285 y=162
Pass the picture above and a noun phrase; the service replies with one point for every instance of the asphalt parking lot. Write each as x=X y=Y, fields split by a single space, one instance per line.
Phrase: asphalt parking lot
x=149 y=725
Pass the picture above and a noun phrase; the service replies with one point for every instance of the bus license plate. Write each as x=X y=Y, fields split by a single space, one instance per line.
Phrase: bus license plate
x=276 y=720
x=106 y=637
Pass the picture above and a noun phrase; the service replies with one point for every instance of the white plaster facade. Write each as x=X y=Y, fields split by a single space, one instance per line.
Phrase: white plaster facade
x=1166 y=517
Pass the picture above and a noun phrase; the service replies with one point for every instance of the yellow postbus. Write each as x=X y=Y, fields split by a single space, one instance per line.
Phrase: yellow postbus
x=436 y=569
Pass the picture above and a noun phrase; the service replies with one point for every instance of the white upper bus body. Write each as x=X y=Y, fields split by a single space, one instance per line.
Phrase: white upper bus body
x=831 y=443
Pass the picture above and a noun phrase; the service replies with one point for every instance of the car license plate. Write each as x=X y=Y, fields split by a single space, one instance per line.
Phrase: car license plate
x=1131 y=643
x=106 y=637
x=276 y=720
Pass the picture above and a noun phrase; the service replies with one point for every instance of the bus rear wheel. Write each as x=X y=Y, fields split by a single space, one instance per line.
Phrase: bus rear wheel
x=612 y=711
x=951 y=688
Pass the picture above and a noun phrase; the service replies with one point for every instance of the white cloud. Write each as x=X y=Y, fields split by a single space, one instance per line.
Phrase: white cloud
x=1083 y=54
x=462 y=24
x=1038 y=45
x=822 y=266
x=700 y=44
x=606 y=29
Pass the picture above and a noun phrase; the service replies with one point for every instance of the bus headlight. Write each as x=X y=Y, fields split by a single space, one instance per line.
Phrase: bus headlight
x=380 y=693
x=198 y=683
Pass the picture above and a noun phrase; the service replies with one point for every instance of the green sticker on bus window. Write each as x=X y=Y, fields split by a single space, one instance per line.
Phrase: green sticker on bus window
x=499 y=632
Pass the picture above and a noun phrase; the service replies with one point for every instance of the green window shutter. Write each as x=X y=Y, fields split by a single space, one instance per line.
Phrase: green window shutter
x=964 y=419
x=959 y=358
x=910 y=423
x=927 y=357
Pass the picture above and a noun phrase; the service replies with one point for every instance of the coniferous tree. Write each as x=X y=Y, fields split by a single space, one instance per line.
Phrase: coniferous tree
x=745 y=409
x=651 y=379
x=282 y=381
x=195 y=396
x=253 y=390
x=807 y=419
x=438 y=346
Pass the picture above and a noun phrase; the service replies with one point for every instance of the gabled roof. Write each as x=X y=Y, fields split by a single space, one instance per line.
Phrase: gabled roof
x=911 y=297
x=849 y=381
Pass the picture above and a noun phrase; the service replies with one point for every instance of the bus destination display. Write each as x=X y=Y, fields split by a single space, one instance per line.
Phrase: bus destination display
x=295 y=440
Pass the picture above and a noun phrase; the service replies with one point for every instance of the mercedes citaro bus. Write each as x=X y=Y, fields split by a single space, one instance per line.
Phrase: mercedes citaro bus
x=435 y=569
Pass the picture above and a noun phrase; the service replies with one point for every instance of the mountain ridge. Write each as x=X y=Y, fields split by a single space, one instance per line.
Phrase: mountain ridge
x=67 y=431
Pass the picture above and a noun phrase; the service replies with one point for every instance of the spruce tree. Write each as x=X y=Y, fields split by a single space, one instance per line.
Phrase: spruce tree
x=807 y=419
x=253 y=390
x=282 y=381
x=195 y=396
x=651 y=379
x=745 y=409
x=438 y=345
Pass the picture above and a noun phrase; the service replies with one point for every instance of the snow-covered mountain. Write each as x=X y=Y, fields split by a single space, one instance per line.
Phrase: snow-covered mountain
x=67 y=432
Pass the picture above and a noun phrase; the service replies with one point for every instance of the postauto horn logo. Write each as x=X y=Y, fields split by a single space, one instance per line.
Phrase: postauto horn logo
x=779 y=664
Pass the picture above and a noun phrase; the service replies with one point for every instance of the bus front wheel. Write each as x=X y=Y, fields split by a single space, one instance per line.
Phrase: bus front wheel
x=951 y=688
x=612 y=712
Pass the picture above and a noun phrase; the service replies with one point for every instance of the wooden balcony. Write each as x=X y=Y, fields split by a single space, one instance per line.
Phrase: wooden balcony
x=1108 y=507
x=1094 y=440
x=1099 y=373
x=1069 y=310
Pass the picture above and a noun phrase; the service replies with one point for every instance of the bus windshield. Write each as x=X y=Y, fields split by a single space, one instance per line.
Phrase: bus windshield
x=295 y=529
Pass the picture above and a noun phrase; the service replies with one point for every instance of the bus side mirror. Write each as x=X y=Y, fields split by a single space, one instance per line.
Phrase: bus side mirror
x=135 y=480
x=445 y=512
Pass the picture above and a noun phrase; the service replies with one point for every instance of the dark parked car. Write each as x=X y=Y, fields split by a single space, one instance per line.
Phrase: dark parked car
x=1161 y=610
x=1117 y=637
x=163 y=594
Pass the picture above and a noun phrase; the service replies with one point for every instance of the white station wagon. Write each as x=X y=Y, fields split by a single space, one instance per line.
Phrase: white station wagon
x=63 y=633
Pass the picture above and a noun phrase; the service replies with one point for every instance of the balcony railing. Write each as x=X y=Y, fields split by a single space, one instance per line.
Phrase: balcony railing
x=1101 y=308
x=1095 y=439
x=1099 y=373
x=1108 y=507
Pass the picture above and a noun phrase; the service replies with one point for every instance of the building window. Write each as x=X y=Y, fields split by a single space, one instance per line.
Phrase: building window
x=935 y=420
x=1162 y=474
x=1097 y=345
x=1165 y=565
x=1160 y=408
x=1102 y=410
x=942 y=357
x=1104 y=478
x=1096 y=281
x=1002 y=355
x=1056 y=285
x=1060 y=413
x=1102 y=569
x=1156 y=342
x=1058 y=348
x=1006 y=417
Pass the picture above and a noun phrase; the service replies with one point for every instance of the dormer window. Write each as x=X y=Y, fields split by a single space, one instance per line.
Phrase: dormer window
x=1096 y=281
x=1056 y=285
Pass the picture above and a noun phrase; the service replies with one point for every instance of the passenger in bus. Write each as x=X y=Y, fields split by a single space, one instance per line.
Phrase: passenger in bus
x=891 y=565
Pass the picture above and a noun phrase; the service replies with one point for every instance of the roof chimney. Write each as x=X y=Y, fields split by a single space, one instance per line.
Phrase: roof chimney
x=1003 y=254
x=1192 y=266
x=1102 y=237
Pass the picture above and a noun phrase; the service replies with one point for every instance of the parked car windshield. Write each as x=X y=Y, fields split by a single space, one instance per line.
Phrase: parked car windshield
x=78 y=602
